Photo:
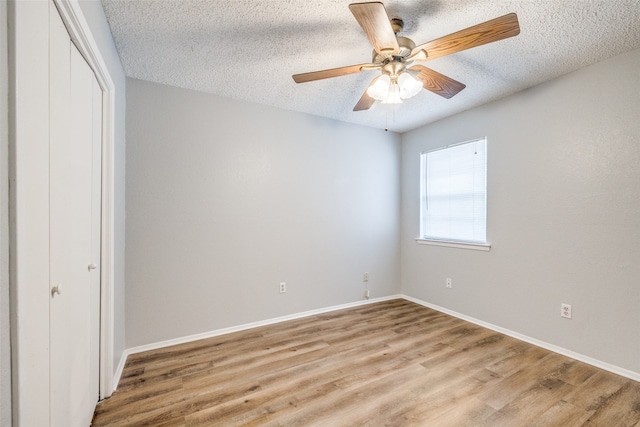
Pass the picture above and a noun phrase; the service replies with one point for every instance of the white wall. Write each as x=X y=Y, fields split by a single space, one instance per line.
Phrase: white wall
x=94 y=14
x=226 y=199
x=563 y=214
x=5 y=341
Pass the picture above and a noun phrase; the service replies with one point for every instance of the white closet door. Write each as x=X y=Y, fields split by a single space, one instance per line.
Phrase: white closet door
x=96 y=242
x=73 y=326
x=60 y=179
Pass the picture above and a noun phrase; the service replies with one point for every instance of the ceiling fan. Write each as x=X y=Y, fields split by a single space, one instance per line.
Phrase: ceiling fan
x=394 y=56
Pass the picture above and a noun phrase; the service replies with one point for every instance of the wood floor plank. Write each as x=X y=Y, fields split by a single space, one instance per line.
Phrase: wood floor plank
x=528 y=376
x=612 y=410
x=529 y=405
x=390 y=363
x=562 y=414
x=431 y=398
x=359 y=401
x=596 y=391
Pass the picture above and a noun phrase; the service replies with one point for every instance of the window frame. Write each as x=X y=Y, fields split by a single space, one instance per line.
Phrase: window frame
x=450 y=242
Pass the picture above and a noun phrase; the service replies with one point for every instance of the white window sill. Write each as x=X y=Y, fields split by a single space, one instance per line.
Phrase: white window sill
x=453 y=244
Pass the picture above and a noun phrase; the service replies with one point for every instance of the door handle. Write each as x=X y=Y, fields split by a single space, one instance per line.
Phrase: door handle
x=92 y=266
x=57 y=289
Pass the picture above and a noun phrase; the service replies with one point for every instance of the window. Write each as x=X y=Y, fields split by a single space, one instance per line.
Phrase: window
x=453 y=194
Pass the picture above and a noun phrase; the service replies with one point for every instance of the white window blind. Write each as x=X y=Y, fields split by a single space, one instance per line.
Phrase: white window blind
x=453 y=191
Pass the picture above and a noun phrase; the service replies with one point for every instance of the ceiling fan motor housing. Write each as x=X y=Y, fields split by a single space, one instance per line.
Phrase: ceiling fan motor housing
x=406 y=46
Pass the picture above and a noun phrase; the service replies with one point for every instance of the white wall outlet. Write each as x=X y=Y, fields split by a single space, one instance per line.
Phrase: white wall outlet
x=565 y=310
x=449 y=282
x=283 y=287
x=365 y=277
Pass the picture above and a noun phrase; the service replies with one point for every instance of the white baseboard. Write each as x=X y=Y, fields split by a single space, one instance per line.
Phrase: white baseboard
x=551 y=347
x=120 y=368
x=161 y=344
x=224 y=331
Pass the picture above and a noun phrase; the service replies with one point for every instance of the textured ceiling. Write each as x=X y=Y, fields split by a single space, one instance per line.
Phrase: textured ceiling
x=248 y=49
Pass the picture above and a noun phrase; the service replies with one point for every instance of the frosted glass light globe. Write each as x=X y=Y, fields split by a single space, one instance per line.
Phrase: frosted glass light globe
x=408 y=85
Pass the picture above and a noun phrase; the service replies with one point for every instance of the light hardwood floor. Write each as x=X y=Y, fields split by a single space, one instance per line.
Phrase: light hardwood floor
x=392 y=363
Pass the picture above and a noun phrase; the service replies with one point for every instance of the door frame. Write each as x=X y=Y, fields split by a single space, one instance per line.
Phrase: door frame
x=29 y=199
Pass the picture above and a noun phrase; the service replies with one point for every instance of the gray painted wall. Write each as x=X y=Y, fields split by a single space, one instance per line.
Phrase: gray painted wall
x=563 y=214
x=5 y=341
x=226 y=199
x=94 y=14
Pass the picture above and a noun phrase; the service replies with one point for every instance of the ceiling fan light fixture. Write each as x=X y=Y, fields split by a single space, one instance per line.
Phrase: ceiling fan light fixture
x=409 y=86
x=380 y=89
x=394 y=95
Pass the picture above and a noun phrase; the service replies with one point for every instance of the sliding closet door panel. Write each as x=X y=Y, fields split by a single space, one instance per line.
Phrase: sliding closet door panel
x=30 y=297
x=96 y=226
x=74 y=390
x=59 y=199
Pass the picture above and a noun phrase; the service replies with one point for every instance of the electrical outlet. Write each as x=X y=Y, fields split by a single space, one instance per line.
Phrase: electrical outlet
x=283 y=287
x=365 y=277
x=449 y=282
x=565 y=310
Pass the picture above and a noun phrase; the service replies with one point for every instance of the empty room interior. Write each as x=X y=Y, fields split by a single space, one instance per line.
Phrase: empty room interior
x=211 y=216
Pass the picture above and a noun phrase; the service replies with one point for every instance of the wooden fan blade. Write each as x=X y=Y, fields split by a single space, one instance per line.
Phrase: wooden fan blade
x=437 y=83
x=325 y=74
x=365 y=101
x=491 y=31
x=375 y=22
